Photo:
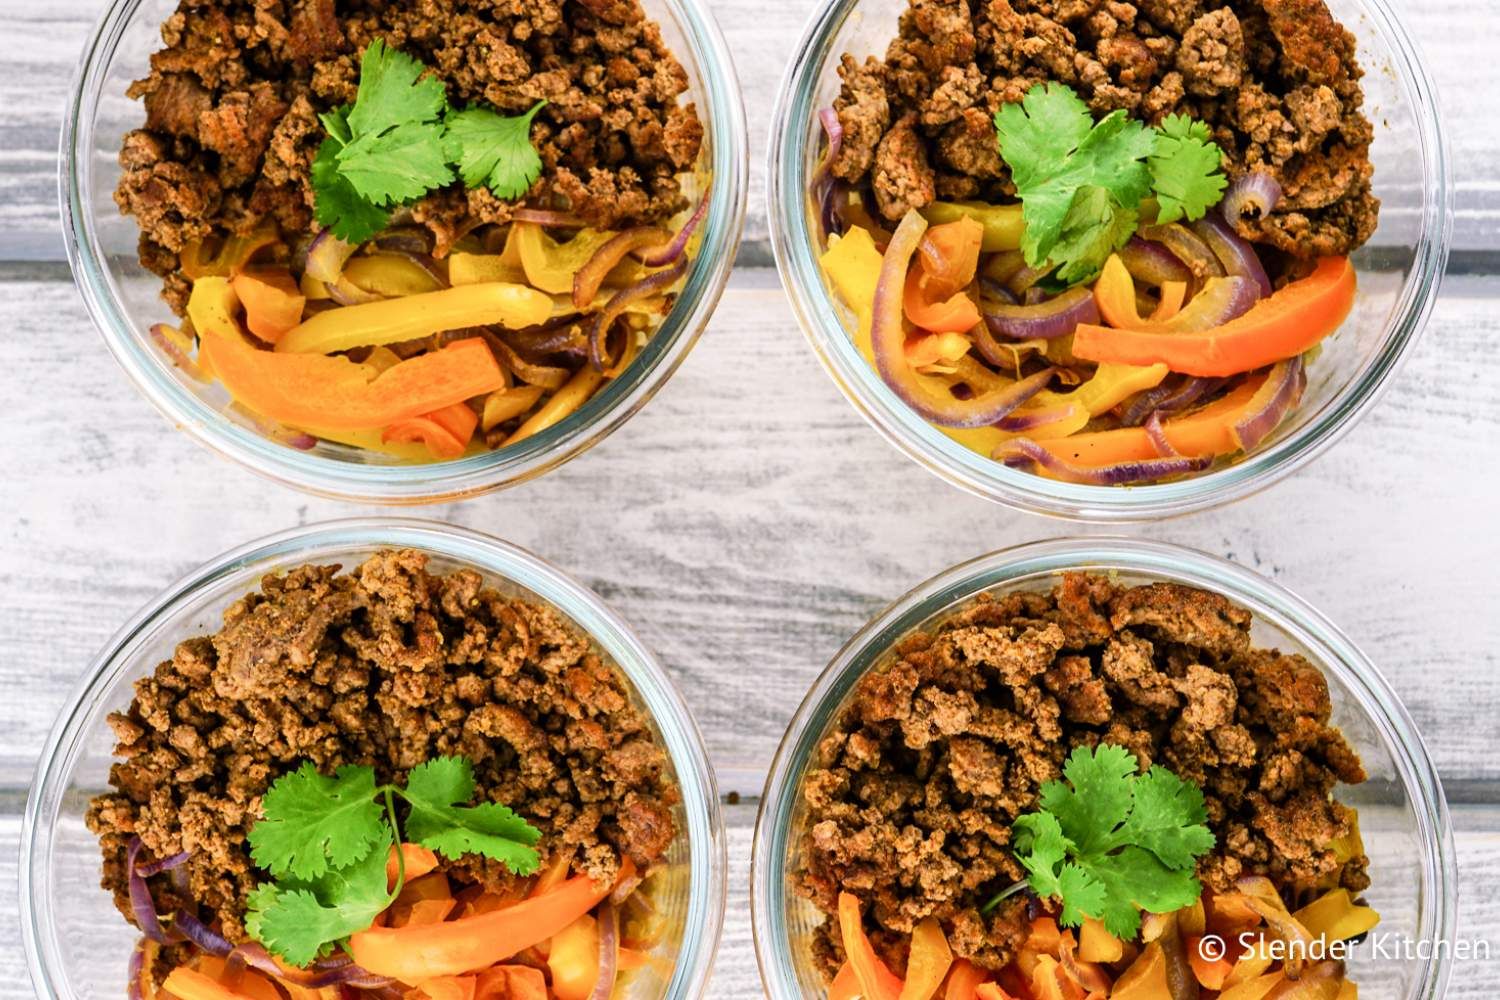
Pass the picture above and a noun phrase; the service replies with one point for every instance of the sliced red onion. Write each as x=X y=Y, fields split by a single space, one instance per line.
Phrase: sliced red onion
x=834 y=130
x=1035 y=296
x=609 y=952
x=1188 y=248
x=996 y=290
x=1253 y=195
x=648 y=286
x=888 y=338
x=590 y=277
x=1022 y=422
x=827 y=191
x=1221 y=300
x=560 y=335
x=668 y=253
x=201 y=935
x=164 y=864
x=622 y=892
x=326 y=256
x=1158 y=435
x=333 y=972
x=1023 y=452
x=546 y=376
x=175 y=352
x=1282 y=391
x=1238 y=256
x=136 y=972
x=546 y=217
x=1049 y=320
x=1152 y=263
x=406 y=240
x=1025 y=279
x=1169 y=397
x=141 y=904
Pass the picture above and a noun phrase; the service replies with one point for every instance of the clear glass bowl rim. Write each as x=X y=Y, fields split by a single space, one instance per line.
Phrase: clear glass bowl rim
x=818 y=313
x=510 y=562
x=438 y=481
x=1328 y=646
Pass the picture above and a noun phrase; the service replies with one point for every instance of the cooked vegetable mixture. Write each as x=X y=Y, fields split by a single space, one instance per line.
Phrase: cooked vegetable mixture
x=267 y=773
x=1096 y=240
x=333 y=199
x=1058 y=795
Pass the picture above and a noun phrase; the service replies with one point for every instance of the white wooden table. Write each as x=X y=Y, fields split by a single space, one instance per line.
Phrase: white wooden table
x=747 y=522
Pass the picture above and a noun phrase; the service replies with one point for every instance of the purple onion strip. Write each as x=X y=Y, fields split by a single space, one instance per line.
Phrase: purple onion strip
x=1254 y=191
x=141 y=903
x=1168 y=399
x=164 y=864
x=1024 y=452
x=200 y=934
x=605 y=318
x=136 y=971
x=668 y=253
x=1158 y=435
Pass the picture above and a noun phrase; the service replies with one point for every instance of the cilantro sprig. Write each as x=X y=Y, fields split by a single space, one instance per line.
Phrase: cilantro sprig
x=1111 y=842
x=401 y=139
x=1082 y=182
x=325 y=840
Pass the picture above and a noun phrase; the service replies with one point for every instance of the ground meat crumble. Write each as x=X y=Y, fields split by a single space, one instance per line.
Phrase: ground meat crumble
x=232 y=104
x=912 y=793
x=388 y=666
x=1277 y=81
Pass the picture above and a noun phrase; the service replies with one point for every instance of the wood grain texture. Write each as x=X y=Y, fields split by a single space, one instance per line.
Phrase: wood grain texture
x=42 y=44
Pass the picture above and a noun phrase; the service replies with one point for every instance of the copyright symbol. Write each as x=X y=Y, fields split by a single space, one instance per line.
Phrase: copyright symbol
x=1211 y=948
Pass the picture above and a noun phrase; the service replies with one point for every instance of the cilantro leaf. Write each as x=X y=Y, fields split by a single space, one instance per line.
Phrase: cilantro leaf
x=1099 y=798
x=1110 y=842
x=438 y=821
x=313 y=823
x=1081 y=182
x=300 y=921
x=336 y=203
x=1054 y=150
x=393 y=92
x=399 y=165
x=1186 y=170
x=494 y=150
x=1095 y=227
x=1169 y=819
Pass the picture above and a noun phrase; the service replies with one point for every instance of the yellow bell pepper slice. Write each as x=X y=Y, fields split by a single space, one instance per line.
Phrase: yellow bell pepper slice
x=1003 y=227
x=415 y=316
x=551 y=265
x=853 y=267
x=1336 y=917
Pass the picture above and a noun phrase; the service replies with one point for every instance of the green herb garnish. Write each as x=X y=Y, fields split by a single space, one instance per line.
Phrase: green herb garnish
x=400 y=139
x=325 y=841
x=1081 y=182
x=1111 y=842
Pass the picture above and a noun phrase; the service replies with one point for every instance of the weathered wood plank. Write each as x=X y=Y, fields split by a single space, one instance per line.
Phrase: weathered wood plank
x=747 y=522
x=735 y=973
x=42 y=43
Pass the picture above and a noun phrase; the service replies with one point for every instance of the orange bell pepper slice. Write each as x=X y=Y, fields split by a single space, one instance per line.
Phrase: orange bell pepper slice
x=955 y=314
x=449 y=987
x=446 y=432
x=950 y=256
x=928 y=963
x=190 y=984
x=1205 y=433
x=876 y=981
x=418 y=861
x=1288 y=323
x=1210 y=972
x=454 y=947
x=273 y=302
x=511 y=982
x=964 y=980
x=991 y=991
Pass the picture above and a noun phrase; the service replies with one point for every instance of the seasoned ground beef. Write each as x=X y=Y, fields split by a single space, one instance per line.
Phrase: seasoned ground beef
x=913 y=792
x=1276 y=80
x=387 y=666
x=232 y=104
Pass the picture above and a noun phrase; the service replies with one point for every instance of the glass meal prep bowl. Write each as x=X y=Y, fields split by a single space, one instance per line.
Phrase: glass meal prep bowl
x=1403 y=813
x=78 y=944
x=1399 y=269
x=122 y=296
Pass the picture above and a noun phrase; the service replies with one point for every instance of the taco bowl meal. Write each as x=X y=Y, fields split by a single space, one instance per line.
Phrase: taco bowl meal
x=420 y=233
x=1096 y=790
x=1102 y=242
x=389 y=782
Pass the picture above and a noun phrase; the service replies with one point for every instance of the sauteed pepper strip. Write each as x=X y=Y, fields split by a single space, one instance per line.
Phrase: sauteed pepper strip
x=333 y=392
